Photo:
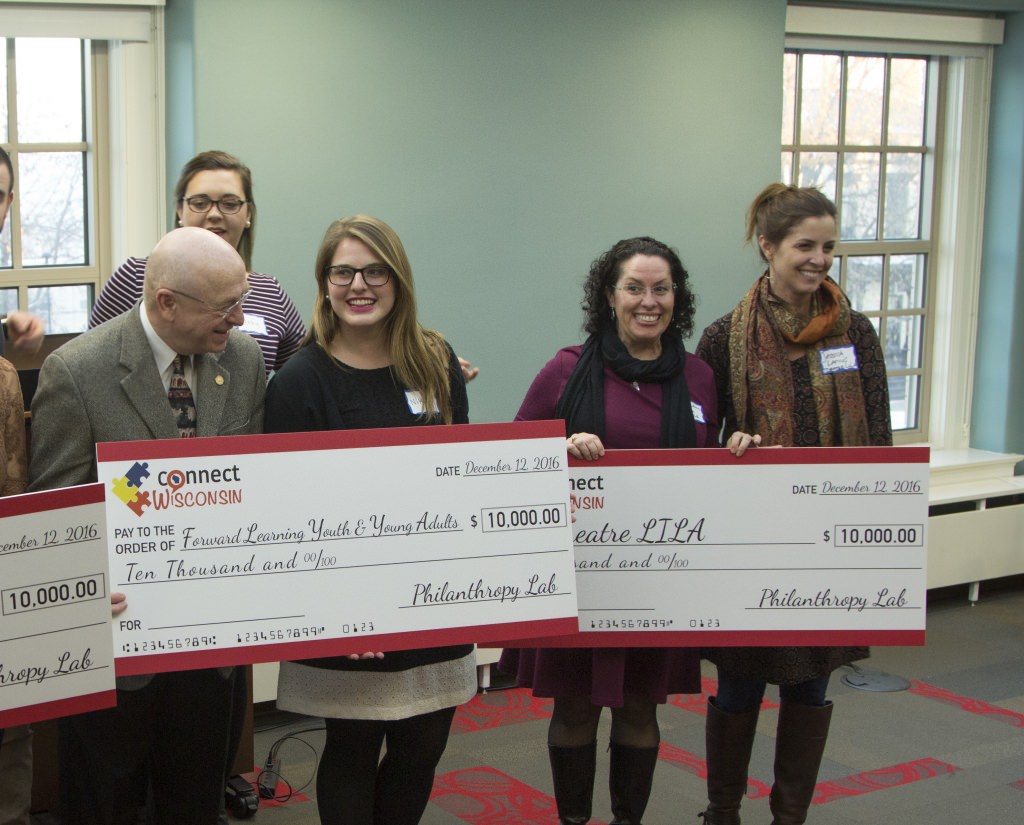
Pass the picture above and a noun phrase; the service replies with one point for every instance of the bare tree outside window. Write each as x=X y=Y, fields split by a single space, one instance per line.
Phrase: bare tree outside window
x=859 y=127
x=46 y=247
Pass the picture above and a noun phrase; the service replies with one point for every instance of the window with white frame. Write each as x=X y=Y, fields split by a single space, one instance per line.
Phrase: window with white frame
x=90 y=190
x=860 y=127
x=50 y=246
x=910 y=187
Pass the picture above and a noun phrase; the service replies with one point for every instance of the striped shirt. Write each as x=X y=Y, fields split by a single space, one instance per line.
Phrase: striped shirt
x=270 y=315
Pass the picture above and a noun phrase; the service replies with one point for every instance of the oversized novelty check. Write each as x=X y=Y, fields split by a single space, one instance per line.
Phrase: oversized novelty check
x=779 y=547
x=55 y=642
x=261 y=548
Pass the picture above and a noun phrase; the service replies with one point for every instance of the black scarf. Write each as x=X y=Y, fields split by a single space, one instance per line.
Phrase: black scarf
x=582 y=402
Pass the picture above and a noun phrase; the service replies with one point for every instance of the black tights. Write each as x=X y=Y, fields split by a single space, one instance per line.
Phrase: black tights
x=574 y=722
x=353 y=789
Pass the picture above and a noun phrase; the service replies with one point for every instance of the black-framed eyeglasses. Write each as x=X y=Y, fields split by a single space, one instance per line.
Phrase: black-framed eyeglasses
x=373 y=274
x=228 y=205
x=223 y=312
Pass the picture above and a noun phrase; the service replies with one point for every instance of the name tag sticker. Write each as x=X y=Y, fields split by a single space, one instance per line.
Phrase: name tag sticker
x=415 y=402
x=838 y=359
x=698 y=412
x=254 y=325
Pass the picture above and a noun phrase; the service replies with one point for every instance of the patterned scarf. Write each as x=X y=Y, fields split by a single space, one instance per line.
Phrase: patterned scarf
x=582 y=401
x=761 y=375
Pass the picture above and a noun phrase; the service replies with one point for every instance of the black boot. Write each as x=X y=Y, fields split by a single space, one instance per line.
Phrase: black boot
x=572 y=772
x=629 y=782
x=729 y=738
x=799 y=746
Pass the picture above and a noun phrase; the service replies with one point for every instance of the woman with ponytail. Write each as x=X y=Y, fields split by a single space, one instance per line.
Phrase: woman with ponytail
x=795 y=366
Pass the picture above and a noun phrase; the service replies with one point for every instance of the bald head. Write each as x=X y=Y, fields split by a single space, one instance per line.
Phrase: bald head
x=191 y=275
x=187 y=258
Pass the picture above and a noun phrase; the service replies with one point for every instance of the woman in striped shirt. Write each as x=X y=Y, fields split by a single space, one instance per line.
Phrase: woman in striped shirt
x=214 y=192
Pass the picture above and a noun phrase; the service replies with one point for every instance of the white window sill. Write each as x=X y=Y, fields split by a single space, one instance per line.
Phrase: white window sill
x=969 y=474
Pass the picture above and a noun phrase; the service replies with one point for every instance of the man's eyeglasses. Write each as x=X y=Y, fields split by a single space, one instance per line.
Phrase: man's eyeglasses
x=228 y=205
x=373 y=275
x=223 y=312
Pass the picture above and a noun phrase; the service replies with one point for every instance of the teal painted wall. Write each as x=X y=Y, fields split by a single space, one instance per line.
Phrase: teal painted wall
x=997 y=421
x=180 y=101
x=508 y=142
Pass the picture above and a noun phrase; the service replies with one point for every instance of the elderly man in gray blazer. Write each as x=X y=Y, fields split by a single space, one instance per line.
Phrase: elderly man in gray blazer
x=126 y=381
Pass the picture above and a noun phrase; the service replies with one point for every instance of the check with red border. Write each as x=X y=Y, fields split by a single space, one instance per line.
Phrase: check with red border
x=55 y=643
x=245 y=549
x=780 y=547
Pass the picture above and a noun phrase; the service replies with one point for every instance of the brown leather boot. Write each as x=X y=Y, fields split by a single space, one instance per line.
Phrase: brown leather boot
x=572 y=773
x=729 y=738
x=630 y=777
x=799 y=746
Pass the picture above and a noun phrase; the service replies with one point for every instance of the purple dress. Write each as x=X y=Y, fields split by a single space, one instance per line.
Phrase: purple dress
x=632 y=421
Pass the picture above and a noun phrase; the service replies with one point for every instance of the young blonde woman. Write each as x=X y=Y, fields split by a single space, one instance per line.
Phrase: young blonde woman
x=365 y=363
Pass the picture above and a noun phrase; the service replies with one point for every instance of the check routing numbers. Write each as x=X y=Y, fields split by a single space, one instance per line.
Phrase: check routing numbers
x=770 y=543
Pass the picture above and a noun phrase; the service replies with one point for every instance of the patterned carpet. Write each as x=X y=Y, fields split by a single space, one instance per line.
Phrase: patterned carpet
x=948 y=751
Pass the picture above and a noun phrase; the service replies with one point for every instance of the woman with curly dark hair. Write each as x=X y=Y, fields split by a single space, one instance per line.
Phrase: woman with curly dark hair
x=630 y=386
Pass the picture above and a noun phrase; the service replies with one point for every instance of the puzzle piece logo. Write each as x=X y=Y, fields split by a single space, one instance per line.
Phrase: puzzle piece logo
x=127 y=488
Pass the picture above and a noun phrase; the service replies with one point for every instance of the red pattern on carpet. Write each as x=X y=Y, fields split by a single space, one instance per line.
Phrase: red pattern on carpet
x=693 y=764
x=968 y=704
x=504 y=707
x=692 y=702
x=1018 y=785
x=881 y=779
x=824 y=792
x=486 y=796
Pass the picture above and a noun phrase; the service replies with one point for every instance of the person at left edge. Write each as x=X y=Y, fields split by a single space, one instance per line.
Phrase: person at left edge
x=24 y=329
x=170 y=730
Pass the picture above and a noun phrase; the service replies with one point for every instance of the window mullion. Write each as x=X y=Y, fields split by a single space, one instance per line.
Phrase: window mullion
x=798 y=105
x=14 y=217
x=840 y=153
x=883 y=165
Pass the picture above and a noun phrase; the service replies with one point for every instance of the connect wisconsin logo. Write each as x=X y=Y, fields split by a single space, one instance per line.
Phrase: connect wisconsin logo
x=177 y=489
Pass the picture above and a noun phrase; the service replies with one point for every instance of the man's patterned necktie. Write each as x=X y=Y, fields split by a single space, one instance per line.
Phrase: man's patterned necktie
x=182 y=402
